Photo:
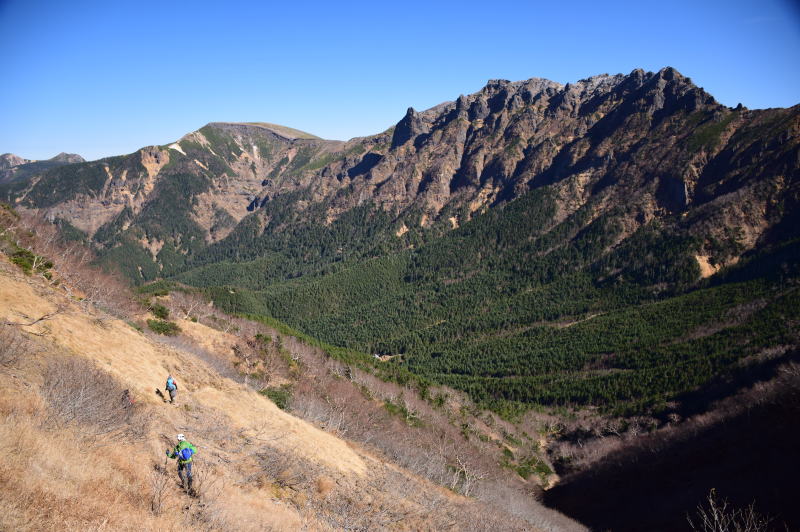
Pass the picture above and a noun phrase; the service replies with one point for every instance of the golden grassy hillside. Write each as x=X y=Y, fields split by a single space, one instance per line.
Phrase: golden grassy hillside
x=75 y=454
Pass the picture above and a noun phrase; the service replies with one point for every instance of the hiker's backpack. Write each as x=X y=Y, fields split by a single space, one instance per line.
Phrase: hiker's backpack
x=171 y=384
x=185 y=453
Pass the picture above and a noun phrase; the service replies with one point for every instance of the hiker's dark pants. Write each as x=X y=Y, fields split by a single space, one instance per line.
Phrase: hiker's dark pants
x=188 y=467
x=172 y=394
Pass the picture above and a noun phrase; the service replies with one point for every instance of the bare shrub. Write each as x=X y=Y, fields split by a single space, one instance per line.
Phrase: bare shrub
x=205 y=483
x=286 y=469
x=718 y=515
x=78 y=393
x=159 y=482
x=13 y=345
x=344 y=511
x=189 y=306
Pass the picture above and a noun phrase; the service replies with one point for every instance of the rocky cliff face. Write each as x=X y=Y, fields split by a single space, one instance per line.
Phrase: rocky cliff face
x=647 y=144
x=652 y=144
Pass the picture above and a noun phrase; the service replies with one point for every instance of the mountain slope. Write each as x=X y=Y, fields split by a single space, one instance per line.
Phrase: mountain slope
x=652 y=142
x=83 y=436
x=506 y=243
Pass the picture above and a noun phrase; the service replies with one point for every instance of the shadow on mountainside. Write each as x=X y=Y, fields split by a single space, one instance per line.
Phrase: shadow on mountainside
x=748 y=457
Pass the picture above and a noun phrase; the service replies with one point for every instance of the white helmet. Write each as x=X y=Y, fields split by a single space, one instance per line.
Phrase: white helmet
x=181 y=437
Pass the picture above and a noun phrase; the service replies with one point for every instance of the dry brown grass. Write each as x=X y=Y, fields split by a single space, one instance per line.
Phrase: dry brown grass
x=324 y=486
x=75 y=455
x=79 y=478
x=79 y=393
x=59 y=481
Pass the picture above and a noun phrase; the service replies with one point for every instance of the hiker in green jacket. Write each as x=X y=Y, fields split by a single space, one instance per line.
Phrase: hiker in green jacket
x=184 y=452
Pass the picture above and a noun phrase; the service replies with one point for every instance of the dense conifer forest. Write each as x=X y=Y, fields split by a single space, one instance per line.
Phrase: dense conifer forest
x=514 y=307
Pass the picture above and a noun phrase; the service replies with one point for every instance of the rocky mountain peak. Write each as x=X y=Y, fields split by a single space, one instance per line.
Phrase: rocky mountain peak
x=638 y=74
x=668 y=73
x=596 y=84
x=409 y=127
x=496 y=84
x=670 y=90
x=9 y=160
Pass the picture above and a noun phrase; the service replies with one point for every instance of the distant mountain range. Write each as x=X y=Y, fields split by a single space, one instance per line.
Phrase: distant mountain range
x=465 y=237
x=15 y=168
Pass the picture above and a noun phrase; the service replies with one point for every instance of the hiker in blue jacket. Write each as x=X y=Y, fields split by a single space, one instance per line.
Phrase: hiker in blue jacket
x=184 y=452
x=172 y=388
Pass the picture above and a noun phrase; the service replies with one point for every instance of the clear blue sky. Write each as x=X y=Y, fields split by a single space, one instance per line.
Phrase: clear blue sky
x=105 y=78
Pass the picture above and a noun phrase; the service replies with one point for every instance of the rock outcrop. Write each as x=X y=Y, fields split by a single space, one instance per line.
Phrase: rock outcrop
x=411 y=126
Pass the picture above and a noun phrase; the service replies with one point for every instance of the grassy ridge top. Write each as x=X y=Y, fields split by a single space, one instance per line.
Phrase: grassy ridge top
x=281 y=130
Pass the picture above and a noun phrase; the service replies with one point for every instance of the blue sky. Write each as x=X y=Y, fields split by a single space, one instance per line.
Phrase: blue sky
x=105 y=78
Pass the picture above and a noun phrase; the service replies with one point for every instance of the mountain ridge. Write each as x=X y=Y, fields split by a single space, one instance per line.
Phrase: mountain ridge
x=463 y=175
x=442 y=166
x=622 y=189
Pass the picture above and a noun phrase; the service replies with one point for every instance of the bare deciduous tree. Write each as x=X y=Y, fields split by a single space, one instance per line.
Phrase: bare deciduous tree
x=43 y=317
x=718 y=515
